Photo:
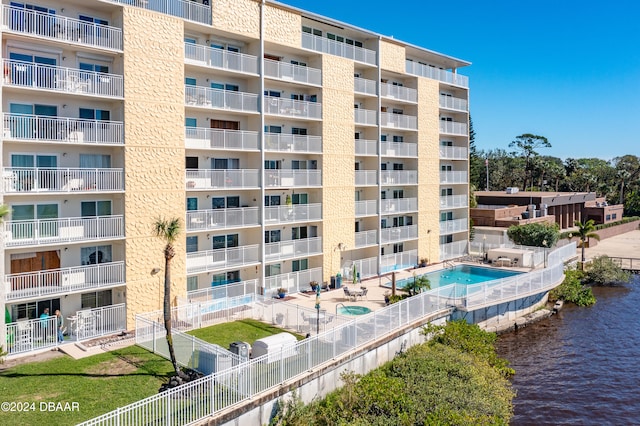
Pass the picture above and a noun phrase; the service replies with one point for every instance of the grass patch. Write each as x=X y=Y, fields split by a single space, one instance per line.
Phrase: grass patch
x=246 y=330
x=99 y=384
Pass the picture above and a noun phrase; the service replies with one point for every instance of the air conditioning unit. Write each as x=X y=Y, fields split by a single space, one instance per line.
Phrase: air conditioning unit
x=512 y=190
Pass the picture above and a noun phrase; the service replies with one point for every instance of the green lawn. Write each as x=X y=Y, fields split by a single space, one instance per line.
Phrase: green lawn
x=246 y=330
x=98 y=384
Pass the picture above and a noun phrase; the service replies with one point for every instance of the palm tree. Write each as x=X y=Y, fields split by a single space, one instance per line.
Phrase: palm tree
x=585 y=231
x=4 y=210
x=168 y=230
x=417 y=285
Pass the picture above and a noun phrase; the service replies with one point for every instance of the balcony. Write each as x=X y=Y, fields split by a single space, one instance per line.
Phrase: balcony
x=454 y=153
x=280 y=142
x=60 y=28
x=399 y=205
x=453 y=128
x=60 y=79
x=294 y=281
x=453 y=226
x=453 y=250
x=366 y=177
x=293 y=213
x=364 y=86
x=332 y=47
x=220 y=99
x=220 y=259
x=185 y=9
x=399 y=177
x=365 y=267
x=401 y=93
x=434 y=73
x=398 y=233
x=455 y=104
x=219 y=58
x=365 y=116
x=366 y=238
x=213 y=219
x=454 y=201
x=292 y=249
x=207 y=138
x=399 y=149
x=398 y=121
x=25 y=233
x=366 y=147
x=40 y=128
x=29 y=285
x=366 y=208
x=34 y=180
x=198 y=179
x=290 y=72
x=451 y=177
x=292 y=108
x=292 y=178
x=395 y=261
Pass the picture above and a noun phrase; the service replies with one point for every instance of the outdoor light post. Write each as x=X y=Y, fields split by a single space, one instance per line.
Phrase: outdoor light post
x=544 y=244
x=318 y=309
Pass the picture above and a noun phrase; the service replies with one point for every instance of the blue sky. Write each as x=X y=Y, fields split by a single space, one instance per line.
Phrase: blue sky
x=567 y=70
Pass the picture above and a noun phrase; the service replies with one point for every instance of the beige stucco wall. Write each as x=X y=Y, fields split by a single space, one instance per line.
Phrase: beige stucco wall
x=154 y=153
x=338 y=176
x=282 y=26
x=428 y=170
x=237 y=17
x=392 y=57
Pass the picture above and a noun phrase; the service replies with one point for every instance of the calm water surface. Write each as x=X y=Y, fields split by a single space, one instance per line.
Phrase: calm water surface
x=582 y=366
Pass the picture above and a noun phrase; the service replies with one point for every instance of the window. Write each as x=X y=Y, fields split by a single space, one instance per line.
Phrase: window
x=306 y=29
x=398 y=193
x=192 y=283
x=271 y=270
x=614 y=216
x=95 y=161
x=224 y=241
x=446 y=192
x=317 y=33
x=273 y=129
x=300 y=199
x=86 y=66
x=446 y=239
x=398 y=138
x=189 y=81
x=95 y=114
x=299 y=265
x=225 y=163
x=95 y=208
x=31 y=212
x=446 y=167
x=383 y=138
x=191 y=162
x=272 y=93
x=192 y=244
x=398 y=248
x=190 y=40
x=192 y=203
x=397 y=111
x=95 y=255
x=299 y=233
x=445 y=216
x=95 y=299
x=272 y=164
x=93 y=20
x=398 y=166
x=190 y=122
x=271 y=200
x=297 y=96
x=446 y=143
x=225 y=203
x=298 y=131
x=301 y=64
x=272 y=236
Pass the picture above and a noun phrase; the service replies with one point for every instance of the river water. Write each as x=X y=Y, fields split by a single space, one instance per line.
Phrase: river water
x=582 y=366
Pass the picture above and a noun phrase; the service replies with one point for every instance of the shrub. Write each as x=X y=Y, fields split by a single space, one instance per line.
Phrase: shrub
x=603 y=271
x=534 y=234
x=573 y=290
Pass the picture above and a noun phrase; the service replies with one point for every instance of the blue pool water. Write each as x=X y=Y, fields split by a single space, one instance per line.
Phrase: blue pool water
x=353 y=310
x=461 y=274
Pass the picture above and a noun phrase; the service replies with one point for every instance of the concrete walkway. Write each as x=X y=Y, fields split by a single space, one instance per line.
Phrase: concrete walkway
x=623 y=245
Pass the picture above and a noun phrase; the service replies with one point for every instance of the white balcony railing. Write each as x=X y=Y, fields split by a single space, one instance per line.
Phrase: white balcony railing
x=292 y=178
x=292 y=213
x=60 y=28
x=220 y=99
x=220 y=58
x=292 y=108
x=213 y=260
x=64 y=280
x=206 y=138
x=454 y=152
x=398 y=205
x=60 y=79
x=395 y=261
x=293 y=281
x=321 y=44
x=400 y=121
x=444 y=76
x=454 y=201
x=365 y=116
x=399 y=177
x=24 y=233
x=30 y=180
x=362 y=85
x=364 y=267
x=366 y=208
x=399 y=149
x=454 y=177
x=453 y=128
x=453 y=226
x=40 y=128
x=185 y=9
x=398 y=233
x=205 y=220
x=292 y=143
x=366 y=238
x=398 y=92
x=293 y=248
x=366 y=177
x=453 y=250
x=291 y=72
x=449 y=102
x=222 y=179
x=366 y=147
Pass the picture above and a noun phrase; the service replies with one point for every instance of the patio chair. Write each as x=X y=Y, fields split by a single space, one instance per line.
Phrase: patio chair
x=514 y=262
x=364 y=293
x=347 y=293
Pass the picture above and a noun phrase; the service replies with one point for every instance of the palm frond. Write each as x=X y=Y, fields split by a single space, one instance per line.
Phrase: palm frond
x=167 y=229
x=4 y=210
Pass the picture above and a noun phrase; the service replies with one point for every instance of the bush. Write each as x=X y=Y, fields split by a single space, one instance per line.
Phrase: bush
x=603 y=271
x=573 y=290
x=534 y=234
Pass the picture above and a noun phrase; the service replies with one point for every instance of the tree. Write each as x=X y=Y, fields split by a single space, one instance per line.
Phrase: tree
x=526 y=145
x=477 y=176
x=584 y=232
x=417 y=285
x=4 y=210
x=534 y=234
x=603 y=271
x=168 y=230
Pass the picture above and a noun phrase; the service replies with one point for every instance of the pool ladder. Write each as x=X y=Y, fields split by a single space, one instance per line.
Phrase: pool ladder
x=346 y=308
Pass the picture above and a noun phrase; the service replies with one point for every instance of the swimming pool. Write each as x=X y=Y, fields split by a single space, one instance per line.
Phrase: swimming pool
x=353 y=310
x=461 y=274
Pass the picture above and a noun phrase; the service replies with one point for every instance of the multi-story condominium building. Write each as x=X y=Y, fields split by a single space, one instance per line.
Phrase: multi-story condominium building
x=292 y=147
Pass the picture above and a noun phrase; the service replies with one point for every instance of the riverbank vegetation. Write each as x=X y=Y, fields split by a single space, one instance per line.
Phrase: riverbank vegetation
x=455 y=378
